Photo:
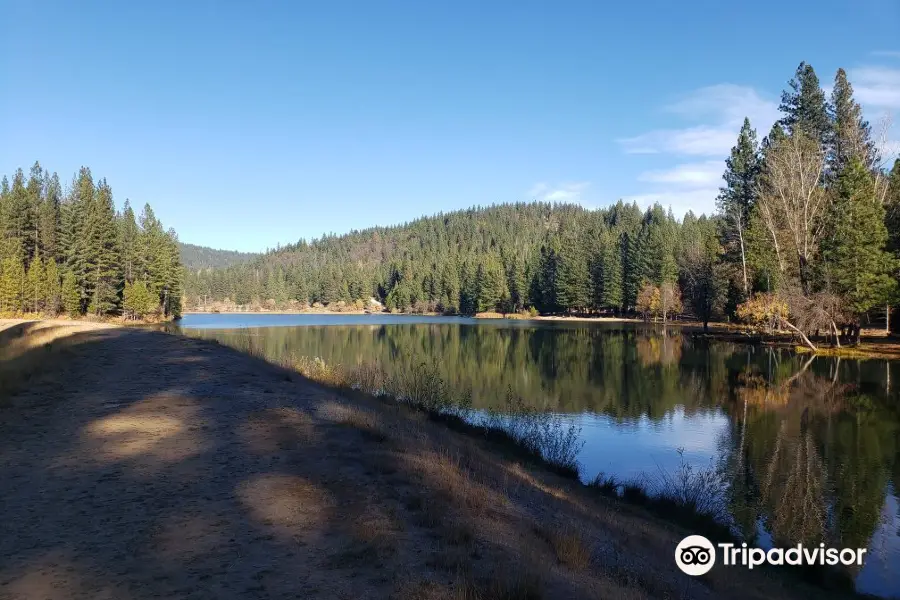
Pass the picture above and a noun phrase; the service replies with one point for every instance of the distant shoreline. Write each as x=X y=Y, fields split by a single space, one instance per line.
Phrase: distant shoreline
x=874 y=344
x=486 y=315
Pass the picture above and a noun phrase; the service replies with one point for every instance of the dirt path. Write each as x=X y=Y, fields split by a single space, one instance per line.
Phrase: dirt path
x=144 y=465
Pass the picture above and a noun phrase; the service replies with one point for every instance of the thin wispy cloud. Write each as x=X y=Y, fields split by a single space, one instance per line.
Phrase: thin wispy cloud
x=721 y=108
x=876 y=86
x=564 y=192
x=887 y=53
x=706 y=173
x=726 y=102
x=695 y=141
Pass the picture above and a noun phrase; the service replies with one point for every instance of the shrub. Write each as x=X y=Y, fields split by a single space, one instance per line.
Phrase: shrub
x=540 y=432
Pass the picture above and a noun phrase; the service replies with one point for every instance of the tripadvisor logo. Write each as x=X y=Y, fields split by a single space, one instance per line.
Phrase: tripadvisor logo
x=695 y=555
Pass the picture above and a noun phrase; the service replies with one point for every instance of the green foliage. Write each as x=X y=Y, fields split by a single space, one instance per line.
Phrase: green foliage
x=196 y=258
x=102 y=272
x=12 y=283
x=35 y=286
x=138 y=300
x=52 y=288
x=99 y=250
x=573 y=275
x=737 y=199
x=702 y=279
x=804 y=106
x=490 y=286
x=851 y=134
x=892 y=208
x=855 y=263
x=71 y=296
x=606 y=272
x=506 y=258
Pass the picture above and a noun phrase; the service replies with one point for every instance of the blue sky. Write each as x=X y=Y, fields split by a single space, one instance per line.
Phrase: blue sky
x=250 y=124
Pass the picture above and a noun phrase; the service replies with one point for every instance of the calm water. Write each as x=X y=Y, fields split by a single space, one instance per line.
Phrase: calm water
x=809 y=448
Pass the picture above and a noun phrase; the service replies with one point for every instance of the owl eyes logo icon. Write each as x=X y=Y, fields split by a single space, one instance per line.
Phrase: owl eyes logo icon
x=695 y=555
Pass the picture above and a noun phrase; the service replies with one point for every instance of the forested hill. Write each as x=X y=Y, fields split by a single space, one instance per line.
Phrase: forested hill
x=201 y=257
x=553 y=257
x=806 y=237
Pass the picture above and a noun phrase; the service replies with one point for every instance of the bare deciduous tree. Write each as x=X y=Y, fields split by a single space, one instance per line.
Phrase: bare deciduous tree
x=792 y=201
x=884 y=158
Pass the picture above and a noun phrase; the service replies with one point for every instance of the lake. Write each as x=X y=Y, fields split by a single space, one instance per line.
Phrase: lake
x=808 y=447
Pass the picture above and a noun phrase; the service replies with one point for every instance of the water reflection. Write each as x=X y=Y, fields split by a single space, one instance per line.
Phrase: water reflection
x=808 y=446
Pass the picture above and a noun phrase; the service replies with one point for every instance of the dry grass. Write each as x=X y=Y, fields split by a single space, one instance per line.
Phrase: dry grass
x=373 y=540
x=368 y=424
x=515 y=583
x=450 y=484
x=26 y=345
x=512 y=583
x=569 y=545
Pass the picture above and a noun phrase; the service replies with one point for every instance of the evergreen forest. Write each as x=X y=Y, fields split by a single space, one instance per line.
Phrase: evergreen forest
x=69 y=251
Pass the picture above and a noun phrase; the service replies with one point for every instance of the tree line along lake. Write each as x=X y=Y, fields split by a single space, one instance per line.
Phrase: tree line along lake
x=806 y=448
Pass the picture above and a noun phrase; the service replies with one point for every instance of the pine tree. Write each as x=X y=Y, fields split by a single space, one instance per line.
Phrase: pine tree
x=71 y=295
x=75 y=235
x=573 y=275
x=702 y=283
x=103 y=277
x=49 y=219
x=852 y=135
x=173 y=291
x=804 y=106
x=36 y=286
x=860 y=269
x=892 y=207
x=5 y=208
x=490 y=285
x=20 y=216
x=12 y=278
x=330 y=291
x=300 y=288
x=129 y=235
x=138 y=300
x=517 y=283
x=468 y=289
x=656 y=258
x=31 y=220
x=544 y=285
x=610 y=272
x=398 y=299
x=633 y=268
x=52 y=288
x=737 y=198
x=450 y=288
